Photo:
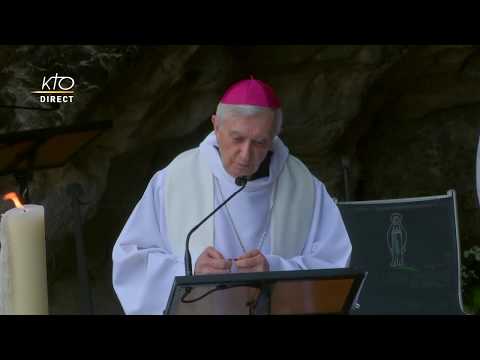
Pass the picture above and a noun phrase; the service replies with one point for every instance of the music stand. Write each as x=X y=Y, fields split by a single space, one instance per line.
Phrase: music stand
x=21 y=153
x=327 y=291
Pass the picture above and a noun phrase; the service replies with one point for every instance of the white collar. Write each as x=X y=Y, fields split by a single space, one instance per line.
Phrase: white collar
x=211 y=154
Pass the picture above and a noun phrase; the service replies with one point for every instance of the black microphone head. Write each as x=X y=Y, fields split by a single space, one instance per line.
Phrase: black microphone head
x=241 y=180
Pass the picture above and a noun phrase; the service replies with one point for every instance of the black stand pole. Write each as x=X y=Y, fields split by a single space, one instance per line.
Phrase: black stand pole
x=264 y=302
x=262 y=305
x=346 y=170
x=75 y=191
x=23 y=178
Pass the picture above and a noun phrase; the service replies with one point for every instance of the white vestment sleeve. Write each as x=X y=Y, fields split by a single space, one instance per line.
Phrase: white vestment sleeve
x=143 y=264
x=328 y=244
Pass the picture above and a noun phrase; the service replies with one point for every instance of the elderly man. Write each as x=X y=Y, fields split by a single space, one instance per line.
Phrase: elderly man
x=284 y=219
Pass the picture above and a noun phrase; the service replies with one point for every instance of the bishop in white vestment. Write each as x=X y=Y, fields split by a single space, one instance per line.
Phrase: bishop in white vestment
x=284 y=219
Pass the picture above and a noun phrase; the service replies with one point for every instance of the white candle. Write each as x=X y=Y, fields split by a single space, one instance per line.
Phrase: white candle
x=23 y=257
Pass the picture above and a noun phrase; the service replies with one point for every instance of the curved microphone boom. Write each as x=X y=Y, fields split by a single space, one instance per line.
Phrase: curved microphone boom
x=239 y=181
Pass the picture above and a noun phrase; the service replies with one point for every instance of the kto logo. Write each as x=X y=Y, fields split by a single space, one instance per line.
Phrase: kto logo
x=61 y=86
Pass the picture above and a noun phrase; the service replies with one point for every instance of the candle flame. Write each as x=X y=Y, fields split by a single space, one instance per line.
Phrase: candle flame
x=13 y=197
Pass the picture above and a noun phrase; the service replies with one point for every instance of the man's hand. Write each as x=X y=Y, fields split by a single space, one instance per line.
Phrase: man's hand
x=252 y=261
x=212 y=261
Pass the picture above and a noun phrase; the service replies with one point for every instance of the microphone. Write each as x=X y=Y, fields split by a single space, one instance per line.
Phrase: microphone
x=239 y=181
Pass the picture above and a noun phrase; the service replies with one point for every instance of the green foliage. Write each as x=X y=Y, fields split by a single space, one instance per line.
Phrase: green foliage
x=471 y=280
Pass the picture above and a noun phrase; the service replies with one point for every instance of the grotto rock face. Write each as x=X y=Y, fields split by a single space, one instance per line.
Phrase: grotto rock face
x=406 y=118
x=418 y=131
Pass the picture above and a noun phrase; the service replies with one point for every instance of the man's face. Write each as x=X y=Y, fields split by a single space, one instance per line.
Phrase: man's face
x=244 y=141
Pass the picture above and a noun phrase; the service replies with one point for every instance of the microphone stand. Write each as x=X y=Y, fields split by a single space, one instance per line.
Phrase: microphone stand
x=240 y=181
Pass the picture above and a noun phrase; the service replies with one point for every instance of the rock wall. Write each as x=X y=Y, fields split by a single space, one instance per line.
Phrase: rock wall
x=406 y=118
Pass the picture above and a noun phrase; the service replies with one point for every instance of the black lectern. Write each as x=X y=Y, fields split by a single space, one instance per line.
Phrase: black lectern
x=302 y=292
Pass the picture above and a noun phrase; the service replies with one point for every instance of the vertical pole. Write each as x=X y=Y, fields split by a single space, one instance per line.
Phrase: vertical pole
x=346 y=169
x=23 y=178
x=86 y=304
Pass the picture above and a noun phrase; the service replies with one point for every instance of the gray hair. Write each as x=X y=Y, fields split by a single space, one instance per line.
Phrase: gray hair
x=249 y=110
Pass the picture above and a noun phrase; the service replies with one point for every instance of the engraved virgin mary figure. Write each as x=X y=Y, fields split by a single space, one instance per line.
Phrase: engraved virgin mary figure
x=397 y=240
